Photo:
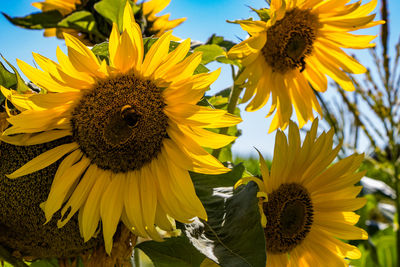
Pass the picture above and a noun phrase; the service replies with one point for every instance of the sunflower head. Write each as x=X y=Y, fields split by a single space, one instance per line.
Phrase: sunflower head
x=307 y=203
x=291 y=53
x=134 y=129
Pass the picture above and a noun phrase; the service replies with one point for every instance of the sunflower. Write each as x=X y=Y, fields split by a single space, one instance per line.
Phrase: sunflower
x=291 y=54
x=65 y=7
x=157 y=25
x=306 y=203
x=134 y=132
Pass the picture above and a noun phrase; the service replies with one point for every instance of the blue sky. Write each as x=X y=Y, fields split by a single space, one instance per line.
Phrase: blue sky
x=203 y=19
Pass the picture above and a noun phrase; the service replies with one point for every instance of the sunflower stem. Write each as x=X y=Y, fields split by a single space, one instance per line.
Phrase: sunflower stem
x=232 y=103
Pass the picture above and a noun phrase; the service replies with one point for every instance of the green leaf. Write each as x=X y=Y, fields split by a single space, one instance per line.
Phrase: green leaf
x=210 y=52
x=219 y=40
x=82 y=21
x=7 y=79
x=112 y=10
x=20 y=86
x=233 y=235
x=41 y=20
x=174 y=251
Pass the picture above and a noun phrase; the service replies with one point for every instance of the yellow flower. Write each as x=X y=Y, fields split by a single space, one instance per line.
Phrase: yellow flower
x=158 y=25
x=291 y=54
x=134 y=129
x=306 y=203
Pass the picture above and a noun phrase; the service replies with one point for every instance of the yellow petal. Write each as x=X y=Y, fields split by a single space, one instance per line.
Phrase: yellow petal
x=148 y=197
x=91 y=210
x=207 y=138
x=125 y=58
x=135 y=34
x=253 y=27
x=340 y=205
x=173 y=58
x=180 y=179
x=64 y=186
x=156 y=54
x=342 y=230
x=133 y=204
x=163 y=220
x=334 y=53
x=326 y=66
x=249 y=46
x=69 y=69
x=113 y=43
x=43 y=160
x=111 y=205
x=194 y=115
x=172 y=151
x=169 y=195
x=51 y=100
x=42 y=79
x=34 y=139
x=202 y=161
x=90 y=61
x=80 y=194
x=184 y=69
x=264 y=170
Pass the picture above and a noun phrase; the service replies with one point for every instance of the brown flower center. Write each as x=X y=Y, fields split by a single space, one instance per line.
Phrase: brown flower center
x=290 y=40
x=289 y=213
x=120 y=124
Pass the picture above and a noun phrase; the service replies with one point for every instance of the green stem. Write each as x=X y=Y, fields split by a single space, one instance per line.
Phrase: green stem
x=233 y=101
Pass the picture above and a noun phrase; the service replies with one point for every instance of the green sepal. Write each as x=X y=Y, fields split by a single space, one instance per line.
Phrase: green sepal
x=40 y=20
x=263 y=13
x=20 y=85
x=233 y=235
x=174 y=251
